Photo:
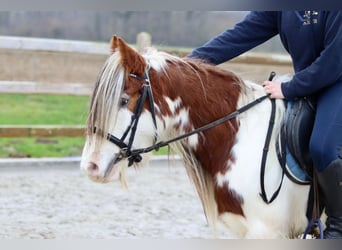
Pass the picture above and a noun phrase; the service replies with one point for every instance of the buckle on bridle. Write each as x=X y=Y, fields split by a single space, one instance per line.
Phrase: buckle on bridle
x=132 y=158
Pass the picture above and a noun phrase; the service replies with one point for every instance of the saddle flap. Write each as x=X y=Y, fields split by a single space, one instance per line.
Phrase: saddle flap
x=297 y=129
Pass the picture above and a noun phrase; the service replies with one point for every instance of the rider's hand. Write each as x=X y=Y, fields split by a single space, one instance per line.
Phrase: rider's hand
x=273 y=89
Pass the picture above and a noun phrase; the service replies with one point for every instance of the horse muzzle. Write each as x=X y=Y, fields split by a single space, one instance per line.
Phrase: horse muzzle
x=99 y=172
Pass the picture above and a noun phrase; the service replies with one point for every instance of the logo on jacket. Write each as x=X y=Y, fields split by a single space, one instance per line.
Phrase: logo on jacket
x=310 y=17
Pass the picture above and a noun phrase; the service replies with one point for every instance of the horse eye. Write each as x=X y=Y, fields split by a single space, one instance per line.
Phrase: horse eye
x=124 y=101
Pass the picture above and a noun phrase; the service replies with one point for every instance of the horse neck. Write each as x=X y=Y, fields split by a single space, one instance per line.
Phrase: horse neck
x=191 y=95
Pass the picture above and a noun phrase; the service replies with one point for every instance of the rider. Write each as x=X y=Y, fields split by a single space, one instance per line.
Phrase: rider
x=313 y=39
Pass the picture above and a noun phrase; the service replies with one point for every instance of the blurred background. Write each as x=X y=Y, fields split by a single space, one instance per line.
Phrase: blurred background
x=50 y=61
x=168 y=28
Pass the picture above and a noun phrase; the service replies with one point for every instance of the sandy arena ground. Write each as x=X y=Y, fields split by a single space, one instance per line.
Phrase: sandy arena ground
x=61 y=203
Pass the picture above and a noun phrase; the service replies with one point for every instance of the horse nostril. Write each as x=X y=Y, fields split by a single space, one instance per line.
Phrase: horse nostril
x=93 y=169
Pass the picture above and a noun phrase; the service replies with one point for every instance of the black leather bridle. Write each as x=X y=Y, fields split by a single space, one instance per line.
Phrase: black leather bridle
x=134 y=156
x=126 y=149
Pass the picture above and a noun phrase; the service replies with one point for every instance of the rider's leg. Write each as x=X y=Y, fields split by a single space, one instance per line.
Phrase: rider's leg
x=326 y=152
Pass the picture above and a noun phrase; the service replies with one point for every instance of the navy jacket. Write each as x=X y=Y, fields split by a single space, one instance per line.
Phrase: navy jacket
x=313 y=39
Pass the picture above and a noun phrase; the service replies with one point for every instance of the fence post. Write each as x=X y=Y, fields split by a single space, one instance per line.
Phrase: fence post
x=143 y=41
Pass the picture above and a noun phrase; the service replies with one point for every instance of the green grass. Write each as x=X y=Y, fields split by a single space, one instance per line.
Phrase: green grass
x=22 y=109
x=19 y=109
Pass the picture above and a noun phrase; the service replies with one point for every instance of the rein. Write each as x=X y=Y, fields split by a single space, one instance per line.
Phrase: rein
x=134 y=156
x=201 y=129
x=281 y=155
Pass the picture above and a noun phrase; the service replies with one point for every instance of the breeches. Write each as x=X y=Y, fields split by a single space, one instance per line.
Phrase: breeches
x=326 y=138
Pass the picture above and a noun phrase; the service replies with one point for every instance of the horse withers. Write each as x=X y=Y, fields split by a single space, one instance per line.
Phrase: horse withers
x=142 y=99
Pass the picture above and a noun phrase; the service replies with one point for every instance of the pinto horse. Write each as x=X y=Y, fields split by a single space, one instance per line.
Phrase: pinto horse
x=142 y=99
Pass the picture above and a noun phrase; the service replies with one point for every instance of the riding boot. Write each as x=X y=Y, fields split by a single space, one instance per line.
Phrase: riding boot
x=330 y=183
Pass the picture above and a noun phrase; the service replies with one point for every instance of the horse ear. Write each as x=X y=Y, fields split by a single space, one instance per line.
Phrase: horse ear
x=113 y=44
x=130 y=58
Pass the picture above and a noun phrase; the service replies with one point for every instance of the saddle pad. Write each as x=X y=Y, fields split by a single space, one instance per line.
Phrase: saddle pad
x=294 y=172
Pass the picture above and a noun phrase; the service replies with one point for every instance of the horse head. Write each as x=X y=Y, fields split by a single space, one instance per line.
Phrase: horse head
x=118 y=108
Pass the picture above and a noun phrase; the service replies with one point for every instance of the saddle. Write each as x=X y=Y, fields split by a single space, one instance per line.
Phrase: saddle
x=295 y=136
